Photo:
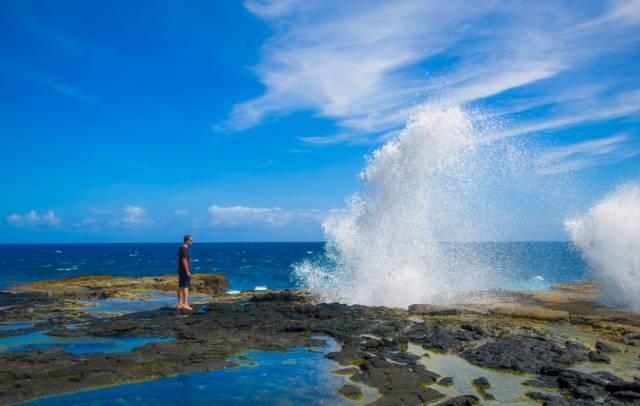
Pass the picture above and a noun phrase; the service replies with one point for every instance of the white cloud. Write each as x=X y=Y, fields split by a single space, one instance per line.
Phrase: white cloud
x=362 y=64
x=586 y=154
x=271 y=217
x=181 y=212
x=33 y=219
x=134 y=215
x=623 y=105
x=88 y=223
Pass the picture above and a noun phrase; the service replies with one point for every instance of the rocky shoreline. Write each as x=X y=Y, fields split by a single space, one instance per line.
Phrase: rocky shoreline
x=572 y=350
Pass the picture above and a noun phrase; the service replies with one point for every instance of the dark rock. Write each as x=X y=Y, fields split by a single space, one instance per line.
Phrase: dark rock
x=542 y=382
x=482 y=385
x=577 y=346
x=582 y=385
x=442 y=338
x=347 y=371
x=604 y=347
x=629 y=396
x=599 y=357
x=397 y=383
x=540 y=396
x=474 y=329
x=446 y=381
x=424 y=396
x=466 y=400
x=351 y=392
x=432 y=310
x=622 y=386
x=522 y=354
x=285 y=296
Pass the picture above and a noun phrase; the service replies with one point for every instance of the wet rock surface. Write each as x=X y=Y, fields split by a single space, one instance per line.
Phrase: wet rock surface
x=465 y=400
x=351 y=392
x=523 y=354
x=374 y=346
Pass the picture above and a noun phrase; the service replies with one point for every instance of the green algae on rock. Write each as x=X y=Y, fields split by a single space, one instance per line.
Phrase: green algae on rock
x=102 y=287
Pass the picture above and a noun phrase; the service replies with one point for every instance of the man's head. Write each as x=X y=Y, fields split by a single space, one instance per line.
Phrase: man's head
x=188 y=240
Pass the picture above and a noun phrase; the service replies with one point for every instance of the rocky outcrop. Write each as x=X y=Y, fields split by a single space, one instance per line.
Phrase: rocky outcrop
x=523 y=354
x=375 y=342
x=102 y=287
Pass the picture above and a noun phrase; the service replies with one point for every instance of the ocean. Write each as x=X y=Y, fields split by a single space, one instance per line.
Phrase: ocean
x=517 y=265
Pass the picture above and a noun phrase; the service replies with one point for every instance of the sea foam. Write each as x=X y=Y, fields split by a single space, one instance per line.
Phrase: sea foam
x=608 y=235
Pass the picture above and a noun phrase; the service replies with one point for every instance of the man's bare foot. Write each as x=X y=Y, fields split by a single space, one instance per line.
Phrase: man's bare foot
x=187 y=307
x=179 y=307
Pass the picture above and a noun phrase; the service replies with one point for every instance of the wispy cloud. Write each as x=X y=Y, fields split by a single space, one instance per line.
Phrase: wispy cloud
x=134 y=216
x=622 y=105
x=63 y=89
x=362 y=64
x=270 y=217
x=601 y=151
x=34 y=220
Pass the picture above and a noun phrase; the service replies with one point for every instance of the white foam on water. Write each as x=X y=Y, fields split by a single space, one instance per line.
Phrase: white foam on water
x=608 y=235
x=444 y=178
x=233 y=292
x=260 y=288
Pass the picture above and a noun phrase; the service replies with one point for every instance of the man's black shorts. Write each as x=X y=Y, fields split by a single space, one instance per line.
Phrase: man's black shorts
x=183 y=280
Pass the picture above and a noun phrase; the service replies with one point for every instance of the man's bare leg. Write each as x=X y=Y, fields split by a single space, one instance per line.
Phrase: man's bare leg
x=186 y=299
x=180 y=300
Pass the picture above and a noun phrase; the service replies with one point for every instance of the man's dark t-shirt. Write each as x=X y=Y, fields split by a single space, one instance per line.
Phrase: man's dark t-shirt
x=183 y=252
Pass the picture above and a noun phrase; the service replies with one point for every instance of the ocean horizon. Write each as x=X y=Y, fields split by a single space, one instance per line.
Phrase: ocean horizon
x=514 y=264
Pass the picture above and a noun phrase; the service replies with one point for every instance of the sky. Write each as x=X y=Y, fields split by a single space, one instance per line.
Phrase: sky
x=143 y=121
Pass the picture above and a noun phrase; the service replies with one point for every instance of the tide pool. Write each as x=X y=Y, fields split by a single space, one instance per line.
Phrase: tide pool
x=15 y=326
x=155 y=301
x=75 y=345
x=299 y=376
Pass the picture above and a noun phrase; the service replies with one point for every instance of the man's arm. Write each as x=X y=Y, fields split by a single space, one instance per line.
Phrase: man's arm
x=185 y=266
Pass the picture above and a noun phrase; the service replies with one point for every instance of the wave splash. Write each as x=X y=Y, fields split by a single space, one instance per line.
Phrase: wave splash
x=608 y=235
x=419 y=187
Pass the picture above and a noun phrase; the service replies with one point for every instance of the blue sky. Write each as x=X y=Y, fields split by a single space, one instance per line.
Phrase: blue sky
x=141 y=121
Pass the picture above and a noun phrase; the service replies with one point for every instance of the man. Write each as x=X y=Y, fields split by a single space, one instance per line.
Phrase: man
x=184 y=273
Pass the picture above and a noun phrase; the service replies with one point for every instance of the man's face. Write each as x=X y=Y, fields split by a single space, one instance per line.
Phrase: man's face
x=189 y=241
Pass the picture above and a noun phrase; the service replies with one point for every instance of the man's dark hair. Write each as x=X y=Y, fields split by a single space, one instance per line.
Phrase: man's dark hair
x=186 y=237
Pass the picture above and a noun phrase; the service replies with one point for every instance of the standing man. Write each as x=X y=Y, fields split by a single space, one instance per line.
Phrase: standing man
x=184 y=273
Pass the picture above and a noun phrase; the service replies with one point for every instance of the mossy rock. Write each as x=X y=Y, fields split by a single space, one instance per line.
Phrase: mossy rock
x=359 y=362
x=351 y=392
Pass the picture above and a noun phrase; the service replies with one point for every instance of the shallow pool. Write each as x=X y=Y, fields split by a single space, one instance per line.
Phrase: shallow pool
x=299 y=376
x=155 y=301
x=75 y=345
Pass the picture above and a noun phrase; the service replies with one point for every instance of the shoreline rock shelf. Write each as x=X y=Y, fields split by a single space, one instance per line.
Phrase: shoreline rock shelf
x=526 y=334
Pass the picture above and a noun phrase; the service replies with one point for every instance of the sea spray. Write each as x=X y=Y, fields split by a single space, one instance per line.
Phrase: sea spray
x=608 y=235
x=434 y=199
x=383 y=249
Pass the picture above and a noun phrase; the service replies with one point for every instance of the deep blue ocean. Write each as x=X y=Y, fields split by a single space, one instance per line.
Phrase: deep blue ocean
x=528 y=265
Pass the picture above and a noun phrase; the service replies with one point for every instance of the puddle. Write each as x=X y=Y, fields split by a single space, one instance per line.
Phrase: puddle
x=74 y=345
x=505 y=387
x=299 y=376
x=155 y=301
x=15 y=326
x=624 y=364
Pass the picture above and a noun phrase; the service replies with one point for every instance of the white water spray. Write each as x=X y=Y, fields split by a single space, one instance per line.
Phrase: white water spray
x=609 y=237
x=383 y=248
